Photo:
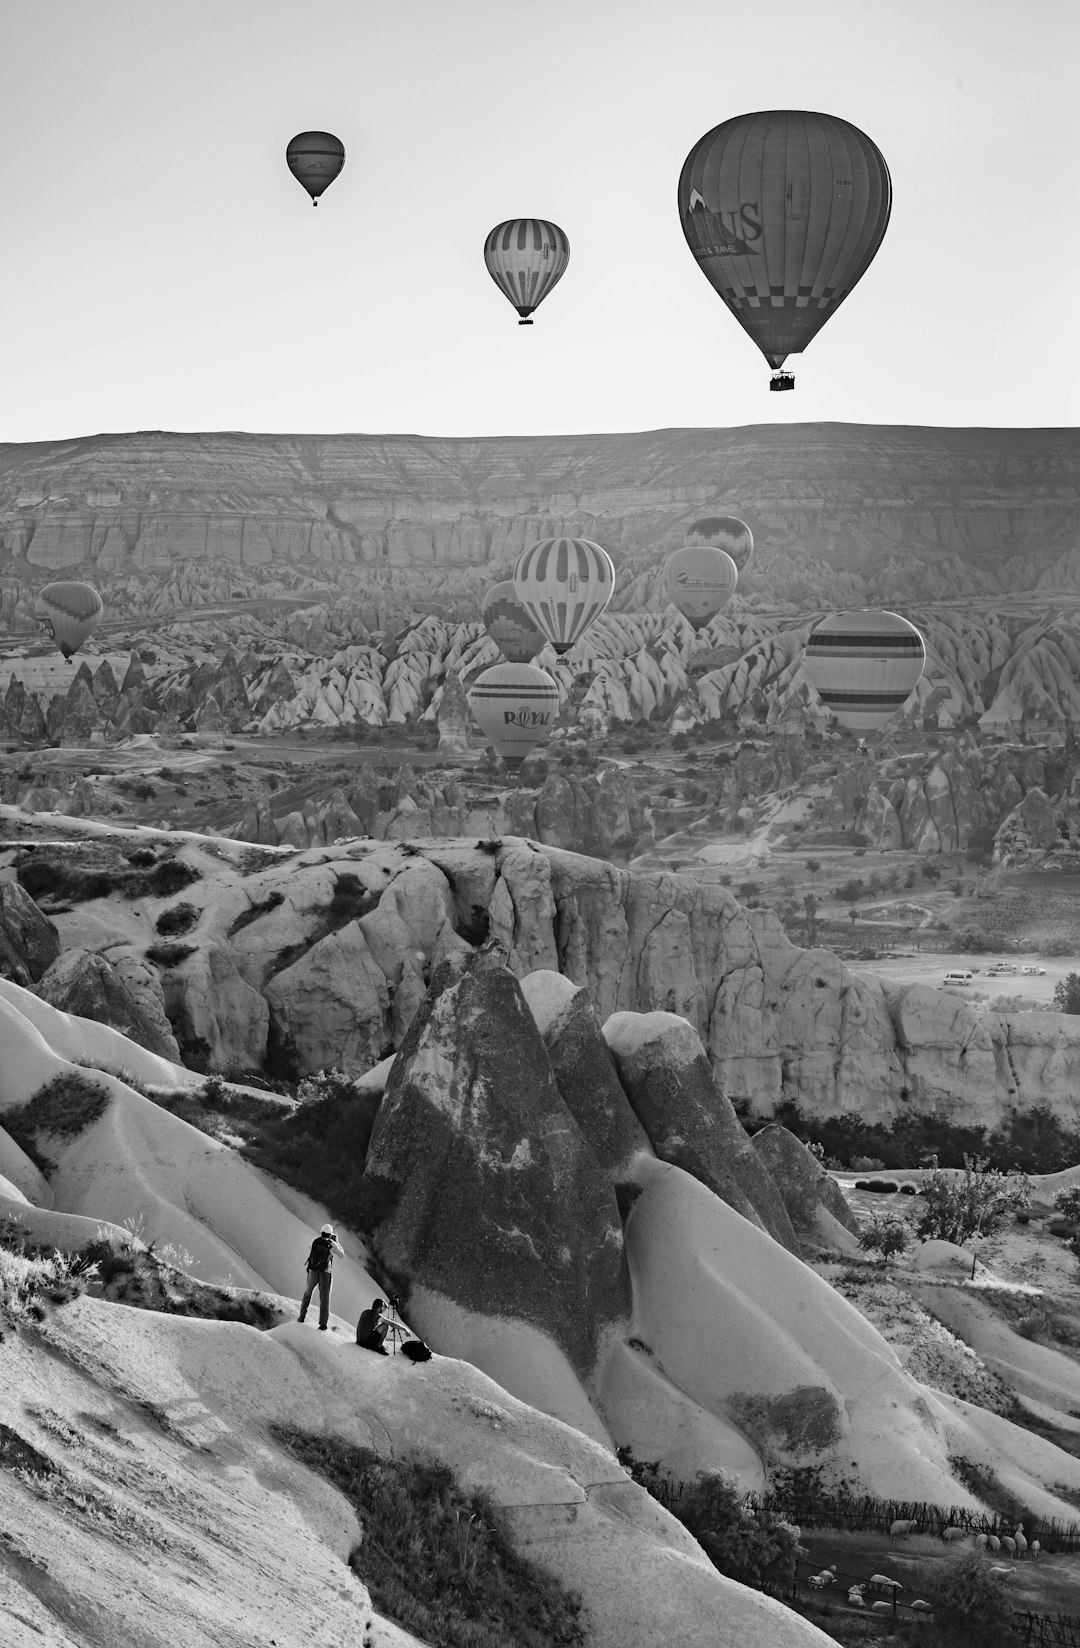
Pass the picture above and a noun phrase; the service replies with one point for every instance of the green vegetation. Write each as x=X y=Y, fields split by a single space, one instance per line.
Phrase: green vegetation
x=49 y=873
x=1067 y=994
x=971 y=1605
x=33 y=1277
x=261 y=907
x=1032 y=1141
x=434 y=1556
x=952 y=1209
x=65 y=1107
x=178 y=918
x=885 y=1233
x=169 y=955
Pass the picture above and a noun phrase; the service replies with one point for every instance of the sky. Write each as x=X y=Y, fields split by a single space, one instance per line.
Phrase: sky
x=163 y=269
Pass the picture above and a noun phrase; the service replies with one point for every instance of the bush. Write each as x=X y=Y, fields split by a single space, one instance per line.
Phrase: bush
x=178 y=918
x=261 y=907
x=434 y=1555
x=971 y=1605
x=1067 y=994
x=1067 y=1202
x=743 y=1537
x=885 y=1233
x=169 y=955
x=65 y=1107
x=979 y=1203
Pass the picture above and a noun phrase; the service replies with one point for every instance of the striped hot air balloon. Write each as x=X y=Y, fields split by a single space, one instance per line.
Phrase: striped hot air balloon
x=515 y=705
x=525 y=257
x=70 y=613
x=564 y=584
x=509 y=625
x=784 y=210
x=726 y=532
x=700 y=579
x=315 y=159
x=864 y=666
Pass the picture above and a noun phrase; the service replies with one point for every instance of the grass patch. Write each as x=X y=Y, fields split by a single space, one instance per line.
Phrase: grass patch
x=435 y=1558
x=63 y=1108
x=52 y=874
x=261 y=907
x=34 y=1277
x=321 y=1148
x=169 y=955
x=129 y=1273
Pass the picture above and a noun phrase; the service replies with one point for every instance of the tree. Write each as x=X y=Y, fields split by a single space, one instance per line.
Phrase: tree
x=1067 y=994
x=971 y=1605
x=885 y=1233
x=954 y=1208
x=810 y=907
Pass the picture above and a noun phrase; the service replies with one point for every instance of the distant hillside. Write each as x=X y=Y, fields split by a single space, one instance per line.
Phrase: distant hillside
x=841 y=512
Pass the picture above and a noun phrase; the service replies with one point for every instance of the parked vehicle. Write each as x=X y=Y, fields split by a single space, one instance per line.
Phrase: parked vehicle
x=1033 y=972
x=958 y=977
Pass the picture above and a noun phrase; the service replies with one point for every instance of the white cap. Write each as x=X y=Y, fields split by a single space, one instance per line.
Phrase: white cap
x=327 y=1230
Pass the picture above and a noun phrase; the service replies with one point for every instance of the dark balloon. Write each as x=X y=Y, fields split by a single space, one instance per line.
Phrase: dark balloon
x=525 y=257
x=784 y=211
x=509 y=625
x=70 y=613
x=315 y=159
x=725 y=532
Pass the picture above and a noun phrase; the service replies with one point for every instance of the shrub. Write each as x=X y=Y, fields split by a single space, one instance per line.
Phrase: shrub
x=169 y=955
x=65 y=1107
x=977 y=1204
x=1067 y=994
x=178 y=918
x=434 y=1555
x=261 y=907
x=971 y=1605
x=1067 y=1202
x=885 y=1233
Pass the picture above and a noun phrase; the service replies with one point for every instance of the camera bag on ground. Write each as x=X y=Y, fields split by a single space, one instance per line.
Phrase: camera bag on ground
x=416 y=1350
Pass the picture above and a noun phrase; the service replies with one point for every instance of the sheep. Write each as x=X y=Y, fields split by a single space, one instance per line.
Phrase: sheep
x=881 y=1607
x=903 y=1525
x=951 y=1534
x=981 y=1541
x=1001 y=1573
x=993 y=1542
x=855 y=1597
x=922 y=1607
x=818 y=1582
x=882 y=1582
x=1008 y=1543
x=1034 y=1548
x=1021 y=1539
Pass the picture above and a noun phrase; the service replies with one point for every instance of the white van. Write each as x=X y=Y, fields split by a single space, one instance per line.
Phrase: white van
x=1033 y=972
x=958 y=978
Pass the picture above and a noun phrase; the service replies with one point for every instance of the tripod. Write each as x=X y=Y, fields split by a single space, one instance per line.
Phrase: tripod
x=396 y=1331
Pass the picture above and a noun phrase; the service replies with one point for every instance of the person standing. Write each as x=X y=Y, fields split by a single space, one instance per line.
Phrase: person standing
x=319 y=1264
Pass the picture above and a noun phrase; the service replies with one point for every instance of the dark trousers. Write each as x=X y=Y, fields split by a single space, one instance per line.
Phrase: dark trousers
x=317 y=1279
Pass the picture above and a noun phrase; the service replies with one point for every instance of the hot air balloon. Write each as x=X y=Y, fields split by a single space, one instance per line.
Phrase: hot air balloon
x=700 y=579
x=784 y=210
x=70 y=613
x=509 y=625
x=726 y=532
x=515 y=705
x=864 y=665
x=564 y=584
x=525 y=257
x=315 y=159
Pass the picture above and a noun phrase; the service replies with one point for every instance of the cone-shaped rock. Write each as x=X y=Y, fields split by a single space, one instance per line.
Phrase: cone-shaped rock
x=134 y=676
x=495 y=1199
x=86 y=984
x=666 y=1075
x=106 y=691
x=584 y=1069
x=29 y=943
x=453 y=717
x=802 y=1181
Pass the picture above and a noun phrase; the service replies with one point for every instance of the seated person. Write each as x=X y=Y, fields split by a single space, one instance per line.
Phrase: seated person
x=371 y=1330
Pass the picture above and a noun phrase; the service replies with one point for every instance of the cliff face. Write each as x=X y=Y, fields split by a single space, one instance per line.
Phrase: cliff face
x=968 y=510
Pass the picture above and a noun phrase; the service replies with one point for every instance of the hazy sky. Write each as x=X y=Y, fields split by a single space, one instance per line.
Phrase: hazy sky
x=163 y=270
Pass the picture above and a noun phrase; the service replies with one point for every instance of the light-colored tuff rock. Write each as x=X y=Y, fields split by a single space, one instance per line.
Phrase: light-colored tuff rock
x=804 y=1185
x=29 y=941
x=216 y=1013
x=92 y=987
x=331 y=1008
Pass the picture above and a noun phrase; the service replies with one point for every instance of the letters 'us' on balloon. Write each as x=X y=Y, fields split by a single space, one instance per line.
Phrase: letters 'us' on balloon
x=864 y=666
x=784 y=210
x=515 y=705
x=564 y=584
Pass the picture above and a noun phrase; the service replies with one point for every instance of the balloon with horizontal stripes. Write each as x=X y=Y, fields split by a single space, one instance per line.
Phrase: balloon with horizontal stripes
x=70 y=612
x=526 y=257
x=864 y=666
x=315 y=159
x=509 y=625
x=515 y=705
x=784 y=210
x=564 y=584
x=700 y=580
x=727 y=532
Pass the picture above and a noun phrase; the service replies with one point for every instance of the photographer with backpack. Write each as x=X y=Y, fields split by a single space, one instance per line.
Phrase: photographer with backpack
x=319 y=1263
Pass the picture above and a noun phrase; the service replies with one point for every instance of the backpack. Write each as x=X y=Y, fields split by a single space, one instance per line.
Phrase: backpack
x=319 y=1257
x=416 y=1350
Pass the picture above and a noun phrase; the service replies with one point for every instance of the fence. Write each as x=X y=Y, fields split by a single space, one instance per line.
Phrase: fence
x=1048 y=1630
x=857 y=1514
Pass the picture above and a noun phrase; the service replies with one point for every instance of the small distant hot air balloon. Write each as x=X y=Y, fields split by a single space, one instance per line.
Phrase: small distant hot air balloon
x=516 y=706
x=784 y=210
x=726 y=532
x=564 y=584
x=315 y=159
x=509 y=625
x=70 y=613
x=699 y=580
x=525 y=257
x=864 y=666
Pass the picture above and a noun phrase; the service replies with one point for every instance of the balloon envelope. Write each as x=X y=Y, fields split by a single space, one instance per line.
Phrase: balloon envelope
x=864 y=666
x=784 y=210
x=315 y=159
x=525 y=257
x=700 y=579
x=564 y=584
x=516 y=706
x=509 y=625
x=727 y=532
x=70 y=613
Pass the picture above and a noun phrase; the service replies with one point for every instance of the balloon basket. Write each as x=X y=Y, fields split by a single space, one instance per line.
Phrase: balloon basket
x=524 y=322
x=782 y=380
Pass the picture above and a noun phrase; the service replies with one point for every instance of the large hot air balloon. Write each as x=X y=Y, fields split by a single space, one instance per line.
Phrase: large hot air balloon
x=564 y=584
x=726 y=532
x=864 y=665
x=315 y=159
x=783 y=211
x=509 y=625
x=700 y=579
x=515 y=705
x=525 y=257
x=70 y=613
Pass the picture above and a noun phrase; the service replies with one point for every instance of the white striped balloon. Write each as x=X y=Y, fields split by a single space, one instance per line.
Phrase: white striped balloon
x=864 y=666
x=564 y=584
x=516 y=706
